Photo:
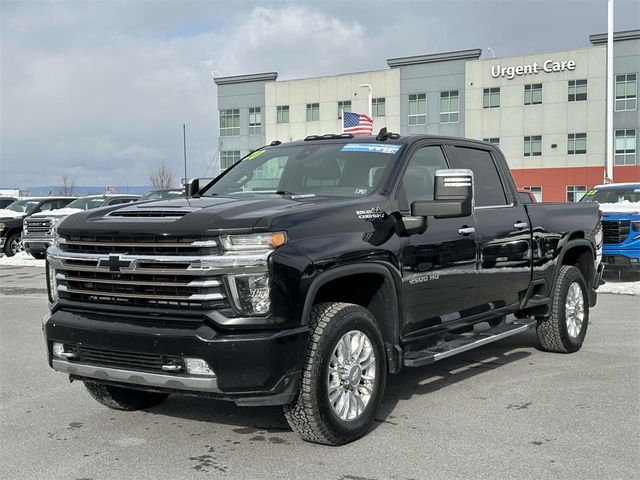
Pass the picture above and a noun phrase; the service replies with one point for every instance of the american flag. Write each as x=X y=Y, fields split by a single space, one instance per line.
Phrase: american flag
x=357 y=123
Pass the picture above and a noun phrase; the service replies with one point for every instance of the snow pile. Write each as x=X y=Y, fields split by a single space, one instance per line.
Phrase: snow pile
x=21 y=259
x=620 y=288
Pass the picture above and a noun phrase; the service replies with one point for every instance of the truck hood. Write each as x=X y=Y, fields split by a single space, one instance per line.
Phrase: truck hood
x=61 y=212
x=622 y=207
x=4 y=214
x=197 y=216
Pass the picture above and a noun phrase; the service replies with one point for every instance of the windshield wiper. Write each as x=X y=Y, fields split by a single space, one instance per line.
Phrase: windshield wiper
x=284 y=192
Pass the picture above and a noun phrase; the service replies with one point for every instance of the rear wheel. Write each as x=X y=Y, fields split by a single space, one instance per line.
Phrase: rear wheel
x=565 y=329
x=343 y=378
x=120 y=398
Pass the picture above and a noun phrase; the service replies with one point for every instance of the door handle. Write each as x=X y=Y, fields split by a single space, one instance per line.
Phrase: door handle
x=466 y=231
x=520 y=225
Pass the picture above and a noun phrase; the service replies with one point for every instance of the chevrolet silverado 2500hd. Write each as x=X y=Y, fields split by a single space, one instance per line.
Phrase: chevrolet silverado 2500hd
x=309 y=271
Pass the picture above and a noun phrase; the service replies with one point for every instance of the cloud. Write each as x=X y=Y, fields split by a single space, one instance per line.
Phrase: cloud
x=100 y=90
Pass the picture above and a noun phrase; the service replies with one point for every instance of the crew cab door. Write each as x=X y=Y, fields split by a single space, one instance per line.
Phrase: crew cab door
x=502 y=231
x=439 y=265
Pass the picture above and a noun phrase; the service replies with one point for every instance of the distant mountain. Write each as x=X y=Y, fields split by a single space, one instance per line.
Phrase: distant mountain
x=80 y=191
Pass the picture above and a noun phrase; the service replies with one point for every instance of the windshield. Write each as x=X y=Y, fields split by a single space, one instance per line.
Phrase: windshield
x=87 y=203
x=159 y=194
x=328 y=170
x=626 y=194
x=23 y=206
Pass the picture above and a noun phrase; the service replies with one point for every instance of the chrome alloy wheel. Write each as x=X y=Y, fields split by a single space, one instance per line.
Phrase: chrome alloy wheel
x=16 y=245
x=574 y=310
x=352 y=375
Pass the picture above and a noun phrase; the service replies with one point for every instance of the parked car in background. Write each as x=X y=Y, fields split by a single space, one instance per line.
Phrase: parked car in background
x=165 y=194
x=6 y=201
x=11 y=219
x=526 y=196
x=39 y=229
x=620 y=205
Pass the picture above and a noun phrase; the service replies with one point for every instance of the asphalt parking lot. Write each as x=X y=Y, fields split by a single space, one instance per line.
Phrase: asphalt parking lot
x=506 y=410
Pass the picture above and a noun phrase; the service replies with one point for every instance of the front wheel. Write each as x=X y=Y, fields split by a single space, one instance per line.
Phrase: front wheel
x=343 y=378
x=13 y=245
x=120 y=398
x=565 y=329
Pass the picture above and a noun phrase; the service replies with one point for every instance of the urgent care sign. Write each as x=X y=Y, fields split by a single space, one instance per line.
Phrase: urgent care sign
x=548 y=66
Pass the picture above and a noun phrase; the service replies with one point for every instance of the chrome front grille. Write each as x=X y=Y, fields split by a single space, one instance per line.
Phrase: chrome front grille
x=156 y=272
x=138 y=245
x=36 y=226
x=615 y=231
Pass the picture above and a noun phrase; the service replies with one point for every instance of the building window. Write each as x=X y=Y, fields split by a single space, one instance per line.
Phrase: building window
x=576 y=143
x=533 y=146
x=491 y=98
x=228 y=158
x=575 y=192
x=378 y=107
x=282 y=114
x=533 y=94
x=313 y=112
x=449 y=106
x=625 y=147
x=537 y=192
x=255 y=120
x=343 y=106
x=626 y=92
x=493 y=141
x=577 y=90
x=418 y=109
x=229 y=122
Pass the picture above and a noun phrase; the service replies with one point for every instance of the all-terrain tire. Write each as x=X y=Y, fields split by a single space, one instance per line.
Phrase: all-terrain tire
x=554 y=332
x=120 y=398
x=311 y=414
x=13 y=244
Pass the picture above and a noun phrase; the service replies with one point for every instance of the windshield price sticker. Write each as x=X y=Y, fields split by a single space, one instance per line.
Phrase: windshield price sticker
x=371 y=147
x=253 y=155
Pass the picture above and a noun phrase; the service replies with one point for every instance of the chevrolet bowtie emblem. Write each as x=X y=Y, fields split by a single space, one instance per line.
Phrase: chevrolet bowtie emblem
x=115 y=263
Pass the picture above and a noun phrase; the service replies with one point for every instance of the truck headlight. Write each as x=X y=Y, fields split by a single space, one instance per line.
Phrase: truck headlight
x=52 y=283
x=635 y=225
x=251 y=294
x=253 y=241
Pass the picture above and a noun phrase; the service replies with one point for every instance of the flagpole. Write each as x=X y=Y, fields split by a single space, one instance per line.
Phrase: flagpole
x=368 y=86
x=610 y=140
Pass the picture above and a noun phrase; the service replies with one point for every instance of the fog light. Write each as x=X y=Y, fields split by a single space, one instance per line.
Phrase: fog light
x=59 y=350
x=197 y=366
x=251 y=293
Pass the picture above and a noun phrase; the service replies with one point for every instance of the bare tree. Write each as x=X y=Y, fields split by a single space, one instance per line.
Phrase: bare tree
x=162 y=177
x=68 y=184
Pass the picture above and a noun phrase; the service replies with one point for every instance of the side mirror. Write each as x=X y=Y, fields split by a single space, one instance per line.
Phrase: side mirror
x=453 y=195
x=192 y=187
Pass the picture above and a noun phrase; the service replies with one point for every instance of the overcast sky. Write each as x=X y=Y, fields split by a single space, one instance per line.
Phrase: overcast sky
x=99 y=90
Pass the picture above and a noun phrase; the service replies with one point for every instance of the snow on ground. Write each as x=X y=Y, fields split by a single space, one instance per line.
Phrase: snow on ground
x=625 y=288
x=21 y=259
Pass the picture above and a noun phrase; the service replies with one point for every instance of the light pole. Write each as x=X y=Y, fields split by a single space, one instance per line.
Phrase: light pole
x=368 y=86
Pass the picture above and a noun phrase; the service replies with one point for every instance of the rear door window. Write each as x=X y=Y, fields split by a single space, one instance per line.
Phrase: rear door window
x=488 y=187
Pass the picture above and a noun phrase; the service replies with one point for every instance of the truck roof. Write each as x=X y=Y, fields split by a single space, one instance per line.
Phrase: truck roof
x=390 y=138
x=617 y=185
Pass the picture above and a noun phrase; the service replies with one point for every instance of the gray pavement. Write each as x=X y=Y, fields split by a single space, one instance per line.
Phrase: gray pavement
x=506 y=410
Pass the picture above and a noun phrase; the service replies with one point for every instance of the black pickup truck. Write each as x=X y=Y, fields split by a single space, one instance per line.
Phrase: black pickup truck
x=367 y=255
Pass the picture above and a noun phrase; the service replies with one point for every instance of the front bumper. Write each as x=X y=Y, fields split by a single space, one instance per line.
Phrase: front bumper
x=32 y=245
x=251 y=368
